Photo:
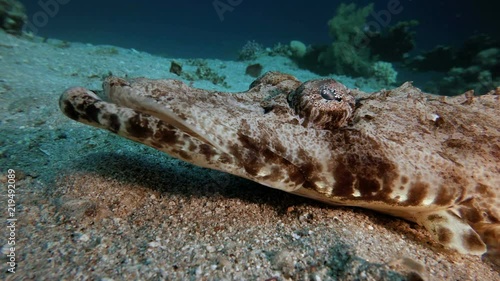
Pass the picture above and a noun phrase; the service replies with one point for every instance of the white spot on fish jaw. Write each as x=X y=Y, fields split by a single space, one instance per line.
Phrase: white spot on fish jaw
x=356 y=193
x=435 y=117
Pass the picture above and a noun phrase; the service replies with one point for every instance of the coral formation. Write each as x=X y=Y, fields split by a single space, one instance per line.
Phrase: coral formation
x=207 y=73
x=356 y=47
x=250 y=51
x=280 y=50
x=349 y=22
x=473 y=66
x=204 y=72
x=394 y=44
x=12 y=16
x=347 y=54
x=427 y=60
x=384 y=72
x=355 y=51
x=298 y=48
x=459 y=79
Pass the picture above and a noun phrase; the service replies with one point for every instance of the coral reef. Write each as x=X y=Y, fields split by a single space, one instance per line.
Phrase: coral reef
x=459 y=79
x=427 y=60
x=347 y=54
x=280 y=49
x=349 y=22
x=298 y=48
x=394 y=44
x=384 y=72
x=473 y=66
x=204 y=72
x=449 y=56
x=12 y=16
x=355 y=50
x=250 y=51
x=344 y=58
x=207 y=73
x=356 y=47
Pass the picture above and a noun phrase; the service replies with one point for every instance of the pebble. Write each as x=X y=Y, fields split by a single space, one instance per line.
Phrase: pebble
x=84 y=238
x=154 y=244
x=5 y=249
x=224 y=262
x=210 y=249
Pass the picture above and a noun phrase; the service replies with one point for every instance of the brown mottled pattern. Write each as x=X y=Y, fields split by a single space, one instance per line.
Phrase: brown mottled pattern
x=444 y=235
x=433 y=160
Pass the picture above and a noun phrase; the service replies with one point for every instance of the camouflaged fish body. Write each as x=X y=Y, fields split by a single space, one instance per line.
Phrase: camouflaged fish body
x=428 y=159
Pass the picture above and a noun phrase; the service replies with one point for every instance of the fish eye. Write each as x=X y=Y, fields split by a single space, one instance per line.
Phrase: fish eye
x=330 y=94
x=323 y=104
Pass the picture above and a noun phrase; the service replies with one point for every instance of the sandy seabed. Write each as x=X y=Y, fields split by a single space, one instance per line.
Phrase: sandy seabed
x=93 y=206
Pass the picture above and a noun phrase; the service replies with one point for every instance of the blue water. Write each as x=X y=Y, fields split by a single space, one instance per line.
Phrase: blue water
x=193 y=28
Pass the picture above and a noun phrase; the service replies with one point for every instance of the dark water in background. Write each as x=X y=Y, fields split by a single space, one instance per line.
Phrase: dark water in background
x=193 y=28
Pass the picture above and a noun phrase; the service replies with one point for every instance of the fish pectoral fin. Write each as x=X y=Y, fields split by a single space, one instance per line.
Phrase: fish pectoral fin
x=452 y=231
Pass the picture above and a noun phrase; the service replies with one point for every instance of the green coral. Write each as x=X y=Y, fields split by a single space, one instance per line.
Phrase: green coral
x=384 y=72
x=347 y=54
x=12 y=16
x=346 y=59
x=356 y=47
x=348 y=23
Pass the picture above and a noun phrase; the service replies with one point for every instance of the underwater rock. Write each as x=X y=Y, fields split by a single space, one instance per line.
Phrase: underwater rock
x=254 y=70
x=12 y=16
x=175 y=68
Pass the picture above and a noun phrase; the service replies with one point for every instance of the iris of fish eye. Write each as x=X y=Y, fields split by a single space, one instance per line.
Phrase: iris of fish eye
x=328 y=94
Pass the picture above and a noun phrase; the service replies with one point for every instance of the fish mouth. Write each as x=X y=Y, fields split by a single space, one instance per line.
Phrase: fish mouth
x=141 y=120
x=124 y=110
x=132 y=95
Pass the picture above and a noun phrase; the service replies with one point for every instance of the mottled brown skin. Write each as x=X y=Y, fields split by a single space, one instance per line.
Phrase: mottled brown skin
x=429 y=159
